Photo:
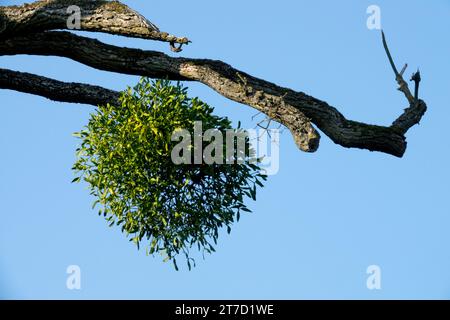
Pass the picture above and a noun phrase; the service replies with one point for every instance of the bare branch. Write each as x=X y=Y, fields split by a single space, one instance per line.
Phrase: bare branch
x=96 y=15
x=296 y=110
x=293 y=109
x=386 y=48
x=57 y=90
x=416 y=78
x=417 y=108
x=403 y=86
x=262 y=95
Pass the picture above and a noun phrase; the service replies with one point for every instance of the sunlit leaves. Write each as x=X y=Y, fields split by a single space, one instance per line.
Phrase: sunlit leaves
x=125 y=157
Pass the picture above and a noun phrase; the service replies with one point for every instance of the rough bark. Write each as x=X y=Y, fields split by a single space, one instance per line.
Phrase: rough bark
x=229 y=82
x=295 y=110
x=57 y=90
x=96 y=15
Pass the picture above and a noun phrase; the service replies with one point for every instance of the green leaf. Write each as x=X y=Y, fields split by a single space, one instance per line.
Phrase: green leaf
x=253 y=192
x=95 y=203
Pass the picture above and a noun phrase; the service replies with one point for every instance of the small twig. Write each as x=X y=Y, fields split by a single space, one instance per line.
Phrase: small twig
x=403 y=69
x=416 y=78
x=417 y=108
x=386 y=48
x=265 y=129
x=255 y=115
x=174 y=48
x=403 y=86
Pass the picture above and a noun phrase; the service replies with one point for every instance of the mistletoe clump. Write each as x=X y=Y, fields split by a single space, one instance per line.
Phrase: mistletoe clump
x=126 y=157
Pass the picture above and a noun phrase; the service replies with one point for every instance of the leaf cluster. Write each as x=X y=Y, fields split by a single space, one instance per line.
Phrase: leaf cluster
x=125 y=158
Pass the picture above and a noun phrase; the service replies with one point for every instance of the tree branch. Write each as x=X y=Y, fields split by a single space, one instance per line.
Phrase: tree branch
x=57 y=90
x=295 y=110
x=223 y=78
x=96 y=15
x=417 y=108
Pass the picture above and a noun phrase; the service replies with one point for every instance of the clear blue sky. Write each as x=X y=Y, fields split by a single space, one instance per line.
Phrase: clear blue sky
x=317 y=225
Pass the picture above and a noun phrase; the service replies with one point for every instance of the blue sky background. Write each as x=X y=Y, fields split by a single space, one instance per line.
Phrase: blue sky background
x=316 y=226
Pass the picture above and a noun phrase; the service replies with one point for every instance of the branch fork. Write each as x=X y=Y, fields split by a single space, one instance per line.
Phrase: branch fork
x=28 y=29
x=417 y=108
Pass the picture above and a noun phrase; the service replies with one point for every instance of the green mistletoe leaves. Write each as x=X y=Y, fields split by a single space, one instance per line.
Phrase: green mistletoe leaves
x=127 y=158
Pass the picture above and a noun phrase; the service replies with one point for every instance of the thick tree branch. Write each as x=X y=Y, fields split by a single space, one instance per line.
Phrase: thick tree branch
x=293 y=109
x=96 y=15
x=57 y=90
x=21 y=31
x=229 y=82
